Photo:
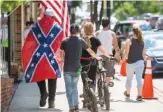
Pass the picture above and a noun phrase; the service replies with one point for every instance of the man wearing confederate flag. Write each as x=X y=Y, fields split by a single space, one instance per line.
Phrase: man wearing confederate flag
x=40 y=56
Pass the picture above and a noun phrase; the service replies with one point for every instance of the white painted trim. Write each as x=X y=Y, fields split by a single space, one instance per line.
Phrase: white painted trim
x=22 y=25
x=148 y=71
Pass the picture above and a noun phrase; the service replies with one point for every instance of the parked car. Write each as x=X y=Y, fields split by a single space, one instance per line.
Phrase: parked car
x=147 y=15
x=124 y=28
x=154 y=49
x=159 y=23
x=153 y=21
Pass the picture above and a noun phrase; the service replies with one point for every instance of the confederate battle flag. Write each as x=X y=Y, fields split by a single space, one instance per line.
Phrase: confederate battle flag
x=40 y=55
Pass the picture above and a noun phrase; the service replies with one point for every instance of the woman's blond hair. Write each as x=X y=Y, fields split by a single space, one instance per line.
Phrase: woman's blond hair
x=88 y=31
x=137 y=31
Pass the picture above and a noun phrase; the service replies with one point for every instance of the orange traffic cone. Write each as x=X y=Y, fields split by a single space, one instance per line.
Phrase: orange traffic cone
x=147 y=92
x=123 y=68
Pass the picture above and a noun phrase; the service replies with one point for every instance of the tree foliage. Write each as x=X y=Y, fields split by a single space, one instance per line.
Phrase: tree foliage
x=8 y=6
x=123 y=9
x=72 y=7
x=76 y=3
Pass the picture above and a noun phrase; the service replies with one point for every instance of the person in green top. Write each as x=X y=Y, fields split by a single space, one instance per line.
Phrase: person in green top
x=5 y=49
x=5 y=42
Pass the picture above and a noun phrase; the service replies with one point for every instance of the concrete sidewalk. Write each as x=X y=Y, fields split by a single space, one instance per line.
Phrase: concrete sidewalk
x=26 y=99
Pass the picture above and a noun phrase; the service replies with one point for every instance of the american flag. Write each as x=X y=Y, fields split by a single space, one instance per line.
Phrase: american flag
x=61 y=13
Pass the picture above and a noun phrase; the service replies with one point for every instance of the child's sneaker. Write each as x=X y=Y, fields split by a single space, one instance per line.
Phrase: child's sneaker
x=72 y=110
x=77 y=108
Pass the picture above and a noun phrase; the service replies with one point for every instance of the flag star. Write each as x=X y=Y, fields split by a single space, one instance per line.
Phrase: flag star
x=51 y=35
x=28 y=75
x=37 y=54
x=50 y=55
x=57 y=71
x=34 y=25
x=45 y=45
x=52 y=62
x=32 y=65
x=39 y=35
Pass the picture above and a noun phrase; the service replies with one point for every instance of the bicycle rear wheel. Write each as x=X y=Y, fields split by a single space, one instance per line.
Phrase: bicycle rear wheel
x=106 y=96
x=93 y=102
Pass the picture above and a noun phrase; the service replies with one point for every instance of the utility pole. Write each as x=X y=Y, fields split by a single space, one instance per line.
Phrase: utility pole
x=95 y=14
x=105 y=8
x=108 y=10
x=91 y=10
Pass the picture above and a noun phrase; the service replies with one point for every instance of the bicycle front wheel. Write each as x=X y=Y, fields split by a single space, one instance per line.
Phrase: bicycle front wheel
x=106 y=96
x=100 y=93
x=93 y=102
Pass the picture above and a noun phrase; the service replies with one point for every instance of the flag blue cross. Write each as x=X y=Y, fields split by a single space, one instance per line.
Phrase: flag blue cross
x=44 y=49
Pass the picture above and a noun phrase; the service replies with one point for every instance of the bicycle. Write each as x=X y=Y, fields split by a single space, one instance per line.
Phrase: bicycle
x=102 y=85
x=90 y=100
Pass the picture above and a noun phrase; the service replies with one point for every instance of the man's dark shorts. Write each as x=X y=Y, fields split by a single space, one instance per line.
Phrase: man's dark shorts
x=109 y=66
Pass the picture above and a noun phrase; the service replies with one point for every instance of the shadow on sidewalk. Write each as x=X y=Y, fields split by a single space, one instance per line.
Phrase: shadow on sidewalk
x=49 y=110
x=127 y=101
x=99 y=108
x=60 y=93
x=104 y=110
x=37 y=110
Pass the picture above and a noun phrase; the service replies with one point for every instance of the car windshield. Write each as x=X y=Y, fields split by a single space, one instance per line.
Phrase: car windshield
x=154 y=18
x=123 y=29
x=127 y=28
x=153 y=40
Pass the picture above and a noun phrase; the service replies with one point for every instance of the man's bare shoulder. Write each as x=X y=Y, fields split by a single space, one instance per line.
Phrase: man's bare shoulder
x=113 y=33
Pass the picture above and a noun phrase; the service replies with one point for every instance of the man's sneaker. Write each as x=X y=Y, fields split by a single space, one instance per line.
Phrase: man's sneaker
x=139 y=98
x=77 y=108
x=72 y=110
x=43 y=99
x=127 y=95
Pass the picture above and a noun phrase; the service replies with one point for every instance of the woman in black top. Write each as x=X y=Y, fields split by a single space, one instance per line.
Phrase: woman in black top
x=135 y=55
x=95 y=44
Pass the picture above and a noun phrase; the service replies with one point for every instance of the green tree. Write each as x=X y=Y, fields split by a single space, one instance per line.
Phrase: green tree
x=123 y=9
x=72 y=8
x=8 y=6
x=76 y=4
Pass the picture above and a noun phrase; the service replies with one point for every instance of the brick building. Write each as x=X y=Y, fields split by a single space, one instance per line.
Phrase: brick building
x=16 y=26
x=18 y=20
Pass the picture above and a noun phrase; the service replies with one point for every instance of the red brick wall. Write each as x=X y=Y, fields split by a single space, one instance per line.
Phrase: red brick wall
x=16 y=42
x=6 y=92
x=17 y=39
